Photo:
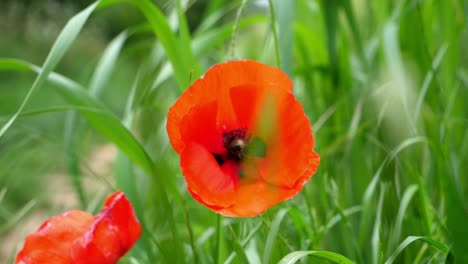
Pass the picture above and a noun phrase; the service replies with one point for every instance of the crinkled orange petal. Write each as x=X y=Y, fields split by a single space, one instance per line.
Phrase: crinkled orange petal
x=255 y=198
x=77 y=237
x=293 y=148
x=52 y=241
x=199 y=125
x=113 y=233
x=217 y=81
x=212 y=185
x=246 y=101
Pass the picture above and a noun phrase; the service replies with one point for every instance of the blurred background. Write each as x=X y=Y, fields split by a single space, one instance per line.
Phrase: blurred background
x=384 y=84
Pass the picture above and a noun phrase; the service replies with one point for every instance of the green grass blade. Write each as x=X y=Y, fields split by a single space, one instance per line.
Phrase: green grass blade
x=218 y=254
x=17 y=216
x=73 y=129
x=244 y=242
x=348 y=9
x=405 y=200
x=66 y=37
x=436 y=244
x=274 y=29
x=330 y=8
x=375 y=240
x=106 y=64
x=238 y=248
x=428 y=79
x=103 y=120
x=372 y=187
x=183 y=61
x=2 y=194
x=55 y=109
x=13 y=65
x=338 y=217
x=125 y=177
x=71 y=142
x=301 y=225
x=271 y=238
x=183 y=26
x=235 y=29
x=285 y=12
x=204 y=42
x=107 y=124
x=295 y=256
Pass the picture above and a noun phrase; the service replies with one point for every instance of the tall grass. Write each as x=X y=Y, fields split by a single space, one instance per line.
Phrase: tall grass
x=383 y=82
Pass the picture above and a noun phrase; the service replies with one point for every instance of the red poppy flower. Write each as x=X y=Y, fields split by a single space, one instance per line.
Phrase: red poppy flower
x=76 y=237
x=244 y=141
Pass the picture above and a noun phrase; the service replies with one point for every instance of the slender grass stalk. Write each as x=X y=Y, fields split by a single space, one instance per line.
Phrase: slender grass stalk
x=235 y=28
x=275 y=33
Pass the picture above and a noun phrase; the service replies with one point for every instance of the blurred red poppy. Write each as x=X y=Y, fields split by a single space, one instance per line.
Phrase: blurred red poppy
x=77 y=237
x=244 y=141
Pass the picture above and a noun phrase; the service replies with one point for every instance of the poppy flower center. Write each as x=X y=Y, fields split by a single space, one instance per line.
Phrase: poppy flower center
x=238 y=145
x=236 y=149
x=235 y=143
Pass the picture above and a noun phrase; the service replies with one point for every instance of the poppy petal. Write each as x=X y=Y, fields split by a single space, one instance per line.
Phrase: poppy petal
x=255 y=198
x=293 y=148
x=204 y=131
x=226 y=76
x=51 y=242
x=219 y=79
x=112 y=234
x=214 y=185
x=246 y=101
x=77 y=237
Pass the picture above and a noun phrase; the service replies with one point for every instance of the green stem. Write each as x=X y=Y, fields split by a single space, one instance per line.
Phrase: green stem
x=275 y=33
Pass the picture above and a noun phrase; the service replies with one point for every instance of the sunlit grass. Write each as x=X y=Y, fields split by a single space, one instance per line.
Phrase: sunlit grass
x=383 y=83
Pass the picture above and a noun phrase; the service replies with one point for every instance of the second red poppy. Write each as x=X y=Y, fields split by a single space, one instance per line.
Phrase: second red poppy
x=77 y=237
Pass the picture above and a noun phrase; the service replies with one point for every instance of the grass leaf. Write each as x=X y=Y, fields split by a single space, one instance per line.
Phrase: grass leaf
x=62 y=44
x=182 y=60
x=285 y=13
x=295 y=256
x=271 y=238
x=436 y=244
x=405 y=200
x=102 y=120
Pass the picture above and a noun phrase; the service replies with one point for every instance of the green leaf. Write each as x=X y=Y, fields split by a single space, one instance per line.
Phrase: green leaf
x=275 y=33
x=295 y=256
x=238 y=248
x=285 y=13
x=106 y=64
x=182 y=60
x=428 y=79
x=331 y=8
x=244 y=242
x=271 y=238
x=375 y=240
x=338 y=217
x=66 y=37
x=348 y=9
x=101 y=119
x=15 y=218
x=73 y=129
x=405 y=200
x=436 y=244
x=204 y=42
x=372 y=187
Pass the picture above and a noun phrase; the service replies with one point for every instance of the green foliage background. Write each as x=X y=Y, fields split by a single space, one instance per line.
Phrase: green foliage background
x=384 y=84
